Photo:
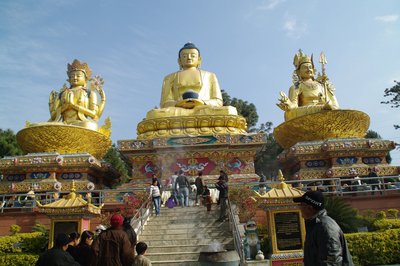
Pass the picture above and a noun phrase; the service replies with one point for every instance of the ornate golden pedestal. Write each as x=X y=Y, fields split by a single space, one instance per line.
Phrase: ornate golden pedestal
x=209 y=154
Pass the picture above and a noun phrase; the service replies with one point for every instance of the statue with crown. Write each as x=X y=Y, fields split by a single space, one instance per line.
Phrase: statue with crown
x=311 y=109
x=74 y=114
x=191 y=103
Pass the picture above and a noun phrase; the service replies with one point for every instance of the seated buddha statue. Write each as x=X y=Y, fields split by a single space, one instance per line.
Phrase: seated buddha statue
x=191 y=90
x=307 y=95
x=78 y=104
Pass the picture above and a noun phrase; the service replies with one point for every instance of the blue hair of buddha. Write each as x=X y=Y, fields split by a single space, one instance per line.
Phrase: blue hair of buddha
x=188 y=45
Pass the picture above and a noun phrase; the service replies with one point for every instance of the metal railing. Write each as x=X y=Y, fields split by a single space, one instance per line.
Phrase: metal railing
x=139 y=220
x=237 y=239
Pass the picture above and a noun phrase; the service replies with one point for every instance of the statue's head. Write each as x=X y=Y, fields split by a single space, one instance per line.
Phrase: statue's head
x=189 y=56
x=304 y=65
x=78 y=73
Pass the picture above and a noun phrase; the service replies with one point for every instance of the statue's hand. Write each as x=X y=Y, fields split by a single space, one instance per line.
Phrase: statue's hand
x=189 y=103
x=284 y=102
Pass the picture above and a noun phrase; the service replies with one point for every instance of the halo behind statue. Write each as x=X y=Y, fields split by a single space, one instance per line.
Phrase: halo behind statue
x=62 y=138
x=322 y=125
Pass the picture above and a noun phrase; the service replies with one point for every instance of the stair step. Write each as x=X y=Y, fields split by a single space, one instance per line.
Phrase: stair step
x=199 y=226
x=173 y=256
x=183 y=248
x=180 y=220
x=184 y=236
x=176 y=263
x=227 y=240
x=185 y=231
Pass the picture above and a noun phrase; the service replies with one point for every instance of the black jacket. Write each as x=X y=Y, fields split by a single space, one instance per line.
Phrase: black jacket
x=56 y=257
x=222 y=186
x=325 y=243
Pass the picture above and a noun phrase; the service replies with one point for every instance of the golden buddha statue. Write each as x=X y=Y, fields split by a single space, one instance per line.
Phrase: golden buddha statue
x=74 y=114
x=190 y=91
x=312 y=111
x=78 y=104
x=191 y=103
x=307 y=95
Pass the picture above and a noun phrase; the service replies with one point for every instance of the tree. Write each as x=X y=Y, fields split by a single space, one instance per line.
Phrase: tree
x=394 y=93
x=342 y=213
x=113 y=157
x=244 y=108
x=8 y=144
x=375 y=135
x=266 y=159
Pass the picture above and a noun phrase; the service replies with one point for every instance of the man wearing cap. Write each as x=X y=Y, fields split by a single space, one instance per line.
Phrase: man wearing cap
x=112 y=247
x=325 y=243
x=57 y=256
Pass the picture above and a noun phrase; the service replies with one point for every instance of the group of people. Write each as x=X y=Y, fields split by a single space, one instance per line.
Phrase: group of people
x=180 y=187
x=114 y=246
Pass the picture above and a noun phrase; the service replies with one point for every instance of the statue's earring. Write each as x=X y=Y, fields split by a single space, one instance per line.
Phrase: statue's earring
x=199 y=65
x=179 y=63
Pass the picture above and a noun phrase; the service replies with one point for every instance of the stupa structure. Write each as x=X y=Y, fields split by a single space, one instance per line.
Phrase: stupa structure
x=320 y=139
x=191 y=130
x=69 y=147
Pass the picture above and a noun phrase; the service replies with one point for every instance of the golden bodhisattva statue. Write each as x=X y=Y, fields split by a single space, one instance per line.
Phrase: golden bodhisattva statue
x=190 y=91
x=191 y=103
x=307 y=95
x=78 y=105
x=311 y=109
x=74 y=114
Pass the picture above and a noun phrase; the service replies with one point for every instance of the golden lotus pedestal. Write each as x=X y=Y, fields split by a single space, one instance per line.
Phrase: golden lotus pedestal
x=64 y=139
x=200 y=125
x=57 y=155
x=331 y=144
x=323 y=125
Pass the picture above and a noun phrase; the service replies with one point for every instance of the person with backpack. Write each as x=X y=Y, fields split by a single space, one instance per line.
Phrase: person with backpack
x=112 y=247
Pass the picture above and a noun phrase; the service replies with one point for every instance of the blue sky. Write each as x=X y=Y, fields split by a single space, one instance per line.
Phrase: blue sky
x=249 y=45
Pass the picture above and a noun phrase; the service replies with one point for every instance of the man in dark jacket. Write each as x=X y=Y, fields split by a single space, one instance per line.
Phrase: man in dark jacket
x=112 y=247
x=222 y=187
x=183 y=184
x=325 y=243
x=57 y=256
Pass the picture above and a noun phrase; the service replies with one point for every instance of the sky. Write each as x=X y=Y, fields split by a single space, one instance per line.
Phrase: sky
x=249 y=44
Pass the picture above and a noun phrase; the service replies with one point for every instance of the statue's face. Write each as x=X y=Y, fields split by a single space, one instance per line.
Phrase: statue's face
x=189 y=58
x=306 y=71
x=77 y=78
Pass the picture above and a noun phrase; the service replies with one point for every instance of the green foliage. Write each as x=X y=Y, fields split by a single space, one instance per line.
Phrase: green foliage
x=40 y=228
x=20 y=259
x=244 y=108
x=8 y=144
x=113 y=157
x=376 y=248
x=24 y=242
x=380 y=215
x=241 y=196
x=342 y=213
x=265 y=162
x=385 y=224
x=265 y=241
x=394 y=213
x=14 y=229
x=394 y=94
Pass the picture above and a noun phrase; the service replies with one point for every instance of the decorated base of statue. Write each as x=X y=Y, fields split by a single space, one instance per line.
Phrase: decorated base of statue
x=328 y=124
x=163 y=157
x=63 y=138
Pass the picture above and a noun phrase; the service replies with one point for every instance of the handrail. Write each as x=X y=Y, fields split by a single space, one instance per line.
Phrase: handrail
x=237 y=240
x=139 y=220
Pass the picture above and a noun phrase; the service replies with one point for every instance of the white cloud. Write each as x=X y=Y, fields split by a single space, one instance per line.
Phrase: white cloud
x=387 y=18
x=294 y=29
x=270 y=4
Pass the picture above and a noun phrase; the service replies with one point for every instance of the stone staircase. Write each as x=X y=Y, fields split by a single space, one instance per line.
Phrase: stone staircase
x=177 y=236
